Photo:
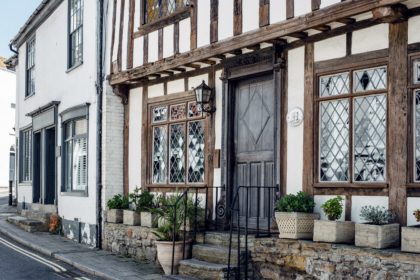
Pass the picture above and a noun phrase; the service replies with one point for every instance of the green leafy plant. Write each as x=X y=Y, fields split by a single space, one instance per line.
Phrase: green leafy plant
x=168 y=222
x=118 y=202
x=144 y=201
x=296 y=203
x=376 y=215
x=333 y=208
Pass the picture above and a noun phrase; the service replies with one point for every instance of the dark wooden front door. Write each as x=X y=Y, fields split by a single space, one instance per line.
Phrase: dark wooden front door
x=254 y=148
x=49 y=166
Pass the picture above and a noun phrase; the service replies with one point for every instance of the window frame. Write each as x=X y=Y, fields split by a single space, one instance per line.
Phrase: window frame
x=173 y=99
x=413 y=88
x=174 y=13
x=22 y=153
x=70 y=64
x=32 y=67
x=351 y=96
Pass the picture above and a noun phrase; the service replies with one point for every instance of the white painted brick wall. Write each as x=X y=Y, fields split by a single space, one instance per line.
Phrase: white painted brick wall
x=112 y=145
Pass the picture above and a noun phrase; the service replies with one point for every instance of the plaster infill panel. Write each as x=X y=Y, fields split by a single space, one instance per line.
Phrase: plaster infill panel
x=203 y=23
x=156 y=90
x=218 y=120
x=117 y=31
x=168 y=41
x=357 y=202
x=277 y=11
x=413 y=30
x=370 y=39
x=138 y=52
x=250 y=15
x=125 y=37
x=153 y=46
x=295 y=96
x=331 y=48
x=302 y=7
x=134 y=147
x=326 y=3
x=225 y=23
x=197 y=80
x=176 y=86
x=185 y=35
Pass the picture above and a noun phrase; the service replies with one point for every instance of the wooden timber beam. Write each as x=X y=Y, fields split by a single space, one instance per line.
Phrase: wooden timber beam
x=179 y=69
x=390 y=14
x=236 y=52
x=254 y=47
x=219 y=56
x=166 y=72
x=209 y=62
x=346 y=20
x=277 y=41
x=299 y=35
x=196 y=66
x=274 y=31
x=323 y=28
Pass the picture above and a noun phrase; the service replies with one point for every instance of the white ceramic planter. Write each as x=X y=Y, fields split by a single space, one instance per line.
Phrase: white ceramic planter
x=334 y=232
x=377 y=236
x=131 y=218
x=147 y=219
x=410 y=239
x=164 y=254
x=114 y=215
x=296 y=225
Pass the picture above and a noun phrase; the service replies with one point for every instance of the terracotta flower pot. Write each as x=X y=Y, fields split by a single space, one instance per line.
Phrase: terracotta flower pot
x=296 y=225
x=164 y=254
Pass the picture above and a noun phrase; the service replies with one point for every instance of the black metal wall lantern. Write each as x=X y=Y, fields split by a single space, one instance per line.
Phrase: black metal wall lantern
x=204 y=95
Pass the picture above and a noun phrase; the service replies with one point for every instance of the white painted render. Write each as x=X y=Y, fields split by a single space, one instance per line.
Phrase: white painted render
x=168 y=41
x=250 y=15
x=197 y=80
x=218 y=114
x=331 y=48
x=156 y=90
x=321 y=199
x=225 y=26
x=138 y=52
x=125 y=37
x=302 y=7
x=184 y=35
x=326 y=3
x=277 y=11
x=370 y=39
x=153 y=46
x=176 y=86
x=296 y=63
x=137 y=14
x=411 y=3
x=7 y=115
x=413 y=30
x=357 y=202
x=203 y=23
x=117 y=30
x=136 y=99
x=413 y=203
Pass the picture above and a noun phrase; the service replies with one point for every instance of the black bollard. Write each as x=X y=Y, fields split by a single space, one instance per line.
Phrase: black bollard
x=10 y=193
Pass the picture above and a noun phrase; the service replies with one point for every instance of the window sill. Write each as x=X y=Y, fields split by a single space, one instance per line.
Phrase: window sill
x=351 y=185
x=29 y=96
x=162 y=22
x=25 y=184
x=73 y=193
x=74 y=66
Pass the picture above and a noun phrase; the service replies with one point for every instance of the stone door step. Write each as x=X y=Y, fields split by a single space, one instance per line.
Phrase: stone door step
x=28 y=225
x=221 y=238
x=204 y=270
x=178 y=277
x=41 y=216
x=216 y=254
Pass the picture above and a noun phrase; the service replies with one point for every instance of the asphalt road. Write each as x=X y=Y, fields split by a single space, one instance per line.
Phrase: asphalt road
x=18 y=262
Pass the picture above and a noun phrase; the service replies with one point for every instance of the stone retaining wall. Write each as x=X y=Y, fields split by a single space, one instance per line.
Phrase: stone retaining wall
x=297 y=259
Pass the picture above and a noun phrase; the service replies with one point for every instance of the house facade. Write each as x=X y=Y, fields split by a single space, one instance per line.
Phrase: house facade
x=58 y=66
x=318 y=96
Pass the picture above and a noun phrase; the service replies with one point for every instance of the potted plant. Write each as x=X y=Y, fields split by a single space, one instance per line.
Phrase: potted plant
x=377 y=233
x=333 y=231
x=170 y=226
x=295 y=218
x=410 y=236
x=144 y=203
x=116 y=205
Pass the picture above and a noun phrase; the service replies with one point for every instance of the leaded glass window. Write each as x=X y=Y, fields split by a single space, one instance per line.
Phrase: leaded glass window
x=370 y=79
x=75 y=155
x=76 y=32
x=26 y=155
x=352 y=130
x=156 y=9
x=334 y=141
x=416 y=71
x=178 y=144
x=30 y=66
x=334 y=85
x=417 y=136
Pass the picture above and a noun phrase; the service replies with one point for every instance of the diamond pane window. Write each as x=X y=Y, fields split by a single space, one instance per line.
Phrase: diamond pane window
x=160 y=114
x=334 y=85
x=156 y=9
x=160 y=154
x=416 y=71
x=196 y=142
x=417 y=136
x=334 y=141
x=194 y=110
x=178 y=112
x=370 y=138
x=177 y=153
x=370 y=79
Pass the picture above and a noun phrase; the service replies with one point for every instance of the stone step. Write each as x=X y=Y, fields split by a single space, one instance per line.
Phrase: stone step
x=41 y=216
x=205 y=270
x=29 y=225
x=16 y=219
x=49 y=208
x=221 y=239
x=216 y=254
x=179 y=277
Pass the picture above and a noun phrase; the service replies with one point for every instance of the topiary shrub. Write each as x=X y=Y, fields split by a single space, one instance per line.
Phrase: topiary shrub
x=296 y=203
x=333 y=208
x=376 y=215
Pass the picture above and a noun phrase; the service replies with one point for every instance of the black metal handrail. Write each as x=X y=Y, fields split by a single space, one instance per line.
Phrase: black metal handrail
x=232 y=209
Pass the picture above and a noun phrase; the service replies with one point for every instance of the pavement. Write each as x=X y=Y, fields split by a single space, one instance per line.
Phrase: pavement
x=98 y=263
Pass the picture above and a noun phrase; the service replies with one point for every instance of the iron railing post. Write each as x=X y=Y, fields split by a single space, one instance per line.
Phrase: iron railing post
x=269 y=211
x=173 y=237
x=185 y=224
x=217 y=199
x=246 y=235
x=238 y=272
x=230 y=242
x=195 y=219
x=258 y=213
x=205 y=212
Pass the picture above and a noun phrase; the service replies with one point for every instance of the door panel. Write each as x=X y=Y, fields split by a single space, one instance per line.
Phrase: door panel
x=50 y=166
x=36 y=187
x=254 y=149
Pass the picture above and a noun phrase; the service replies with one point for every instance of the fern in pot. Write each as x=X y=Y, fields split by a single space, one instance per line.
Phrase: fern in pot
x=295 y=217
x=171 y=226
x=410 y=236
x=332 y=230
x=116 y=206
x=377 y=232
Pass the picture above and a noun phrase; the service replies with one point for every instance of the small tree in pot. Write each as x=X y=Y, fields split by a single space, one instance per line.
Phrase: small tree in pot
x=144 y=203
x=171 y=226
x=377 y=233
x=295 y=218
x=116 y=205
x=333 y=231
x=410 y=236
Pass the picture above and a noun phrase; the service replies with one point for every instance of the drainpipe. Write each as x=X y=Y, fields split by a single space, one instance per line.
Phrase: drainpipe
x=11 y=48
x=99 y=89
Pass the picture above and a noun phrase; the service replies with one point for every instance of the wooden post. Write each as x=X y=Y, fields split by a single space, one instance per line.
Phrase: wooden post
x=114 y=19
x=193 y=43
x=290 y=9
x=144 y=137
x=120 y=39
x=146 y=49
x=315 y=4
x=130 y=45
x=397 y=126
x=237 y=17
x=214 y=21
x=126 y=147
x=160 y=44
x=176 y=38
x=308 y=121
x=264 y=12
